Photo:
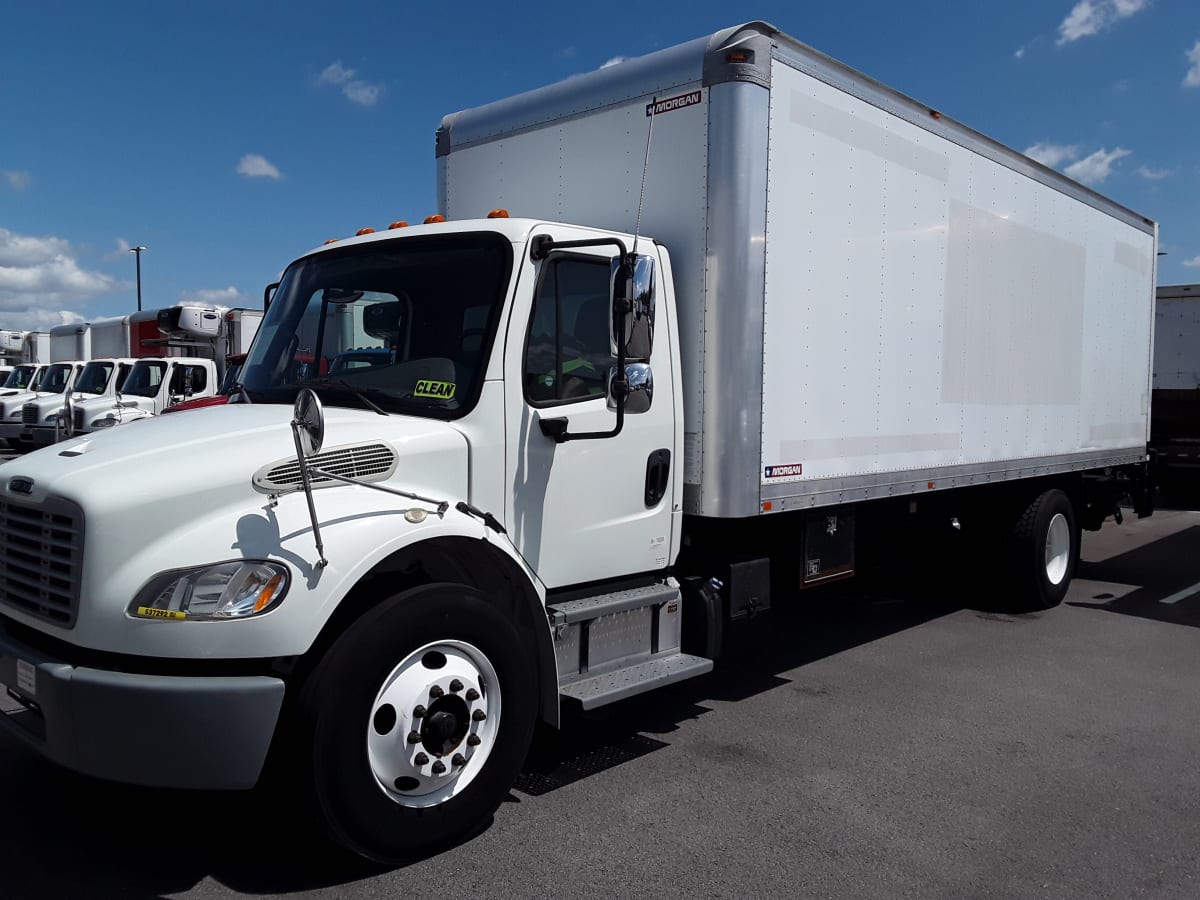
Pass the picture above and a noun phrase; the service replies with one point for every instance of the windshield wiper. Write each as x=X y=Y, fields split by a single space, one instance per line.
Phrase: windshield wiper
x=357 y=392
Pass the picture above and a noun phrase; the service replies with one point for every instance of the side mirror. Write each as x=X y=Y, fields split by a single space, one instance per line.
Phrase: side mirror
x=632 y=293
x=268 y=293
x=308 y=422
x=639 y=391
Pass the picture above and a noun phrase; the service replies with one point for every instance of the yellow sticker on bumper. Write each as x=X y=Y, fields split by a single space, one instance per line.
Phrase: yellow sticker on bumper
x=149 y=612
x=438 y=390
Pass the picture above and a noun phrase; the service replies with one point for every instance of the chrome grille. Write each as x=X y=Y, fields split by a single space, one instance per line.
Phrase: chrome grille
x=29 y=414
x=365 y=462
x=41 y=558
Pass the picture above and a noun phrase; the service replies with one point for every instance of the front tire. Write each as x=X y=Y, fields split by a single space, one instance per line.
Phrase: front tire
x=419 y=718
x=1046 y=549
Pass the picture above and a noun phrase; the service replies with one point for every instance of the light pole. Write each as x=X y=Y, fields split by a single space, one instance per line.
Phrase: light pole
x=137 y=251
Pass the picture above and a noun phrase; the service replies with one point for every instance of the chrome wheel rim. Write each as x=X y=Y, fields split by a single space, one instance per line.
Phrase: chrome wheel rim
x=433 y=724
x=1058 y=549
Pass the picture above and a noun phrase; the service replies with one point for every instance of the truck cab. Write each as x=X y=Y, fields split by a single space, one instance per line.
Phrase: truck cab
x=22 y=410
x=18 y=379
x=50 y=418
x=152 y=386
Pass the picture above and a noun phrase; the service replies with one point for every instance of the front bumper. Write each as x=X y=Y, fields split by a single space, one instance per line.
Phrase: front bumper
x=11 y=430
x=175 y=731
x=38 y=435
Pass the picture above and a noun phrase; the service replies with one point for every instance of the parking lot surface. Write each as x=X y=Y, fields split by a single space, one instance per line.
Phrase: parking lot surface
x=875 y=740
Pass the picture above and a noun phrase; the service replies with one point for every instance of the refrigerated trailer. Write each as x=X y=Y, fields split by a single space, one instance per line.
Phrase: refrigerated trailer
x=577 y=452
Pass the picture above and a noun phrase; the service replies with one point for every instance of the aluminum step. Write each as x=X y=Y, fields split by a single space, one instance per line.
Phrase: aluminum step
x=572 y=611
x=598 y=690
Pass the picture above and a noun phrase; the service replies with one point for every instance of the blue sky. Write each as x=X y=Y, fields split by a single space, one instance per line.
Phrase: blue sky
x=229 y=138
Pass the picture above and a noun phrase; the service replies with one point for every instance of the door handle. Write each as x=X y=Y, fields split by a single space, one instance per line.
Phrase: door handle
x=658 y=470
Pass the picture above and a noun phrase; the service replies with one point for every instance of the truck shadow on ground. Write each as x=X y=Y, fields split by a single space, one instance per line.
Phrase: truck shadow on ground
x=1160 y=570
x=132 y=842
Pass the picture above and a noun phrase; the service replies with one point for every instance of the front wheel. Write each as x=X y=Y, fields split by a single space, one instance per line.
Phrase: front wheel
x=1046 y=544
x=419 y=719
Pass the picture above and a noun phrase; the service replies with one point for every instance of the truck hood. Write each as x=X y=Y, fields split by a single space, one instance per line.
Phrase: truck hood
x=180 y=466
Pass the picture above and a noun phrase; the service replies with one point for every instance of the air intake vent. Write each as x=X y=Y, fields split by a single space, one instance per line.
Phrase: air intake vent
x=363 y=462
x=77 y=412
x=41 y=558
x=29 y=414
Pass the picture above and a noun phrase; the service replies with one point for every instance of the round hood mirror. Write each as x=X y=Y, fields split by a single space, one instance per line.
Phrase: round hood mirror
x=309 y=419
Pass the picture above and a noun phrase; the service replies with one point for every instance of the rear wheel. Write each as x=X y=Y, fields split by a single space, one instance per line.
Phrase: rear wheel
x=419 y=718
x=1046 y=549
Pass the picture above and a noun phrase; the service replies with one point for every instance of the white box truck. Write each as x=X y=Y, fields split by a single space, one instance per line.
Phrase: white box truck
x=1175 y=399
x=565 y=454
x=35 y=347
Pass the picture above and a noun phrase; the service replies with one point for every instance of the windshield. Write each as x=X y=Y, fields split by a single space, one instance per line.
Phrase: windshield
x=94 y=378
x=54 y=379
x=19 y=377
x=405 y=323
x=144 y=378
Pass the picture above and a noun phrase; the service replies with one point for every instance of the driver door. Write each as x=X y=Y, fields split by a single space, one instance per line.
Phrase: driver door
x=579 y=511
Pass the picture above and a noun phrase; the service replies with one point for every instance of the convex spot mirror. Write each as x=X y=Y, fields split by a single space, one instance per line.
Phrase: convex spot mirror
x=308 y=421
x=632 y=279
x=640 y=391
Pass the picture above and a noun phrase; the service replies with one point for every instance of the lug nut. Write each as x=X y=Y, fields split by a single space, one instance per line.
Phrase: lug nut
x=414 y=738
x=472 y=695
x=473 y=740
x=459 y=760
x=436 y=692
x=456 y=686
x=421 y=759
x=438 y=768
x=478 y=716
x=419 y=712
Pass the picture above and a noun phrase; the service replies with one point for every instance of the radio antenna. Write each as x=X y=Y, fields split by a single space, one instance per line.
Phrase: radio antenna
x=645 y=167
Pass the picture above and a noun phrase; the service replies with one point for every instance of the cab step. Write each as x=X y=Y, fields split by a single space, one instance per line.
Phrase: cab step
x=636 y=679
x=617 y=644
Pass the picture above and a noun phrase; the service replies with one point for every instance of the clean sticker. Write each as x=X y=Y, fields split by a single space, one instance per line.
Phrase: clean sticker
x=683 y=101
x=438 y=390
x=789 y=471
x=27 y=677
x=149 y=612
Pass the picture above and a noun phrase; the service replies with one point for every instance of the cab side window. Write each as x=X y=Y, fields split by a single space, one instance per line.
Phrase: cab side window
x=180 y=379
x=567 y=352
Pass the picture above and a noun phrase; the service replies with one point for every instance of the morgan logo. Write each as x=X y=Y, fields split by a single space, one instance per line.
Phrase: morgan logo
x=788 y=471
x=658 y=107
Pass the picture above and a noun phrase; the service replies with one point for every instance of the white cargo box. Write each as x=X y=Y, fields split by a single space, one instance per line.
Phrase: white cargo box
x=874 y=300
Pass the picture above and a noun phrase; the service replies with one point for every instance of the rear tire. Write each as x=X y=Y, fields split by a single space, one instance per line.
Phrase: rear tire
x=387 y=783
x=1046 y=550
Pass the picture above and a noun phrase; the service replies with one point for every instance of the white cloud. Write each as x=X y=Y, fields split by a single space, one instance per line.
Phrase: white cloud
x=17 y=180
x=335 y=73
x=1089 y=17
x=615 y=61
x=1155 y=174
x=1019 y=53
x=40 y=281
x=1096 y=167
x=1052 y=155
x=254 y=166
x=229 y=296
x=1192 y=79
x=1193 y=263
x=355 y=89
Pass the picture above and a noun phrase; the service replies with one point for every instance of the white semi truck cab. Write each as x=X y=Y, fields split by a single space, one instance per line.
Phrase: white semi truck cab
x=152 y=385
x=53 y=385
x=575 y=455
x=48 y=419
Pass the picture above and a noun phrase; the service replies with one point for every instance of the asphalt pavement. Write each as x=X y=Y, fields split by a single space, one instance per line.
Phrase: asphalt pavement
x=901 y=738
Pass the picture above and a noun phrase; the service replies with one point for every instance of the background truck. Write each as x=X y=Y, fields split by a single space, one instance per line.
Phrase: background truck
x=21 y=411
x=10 y=347
x=35 y=347
x=71 y=342
x=49 y=418
x=593 y=445
x=151 y=386
x=1175 y=400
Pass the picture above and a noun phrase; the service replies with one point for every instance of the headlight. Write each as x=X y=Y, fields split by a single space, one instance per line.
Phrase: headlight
x=106 y=422
x=229 y=590
x=15 y=415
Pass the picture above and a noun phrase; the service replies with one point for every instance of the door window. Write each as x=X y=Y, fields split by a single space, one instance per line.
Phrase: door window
x=568 y=351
